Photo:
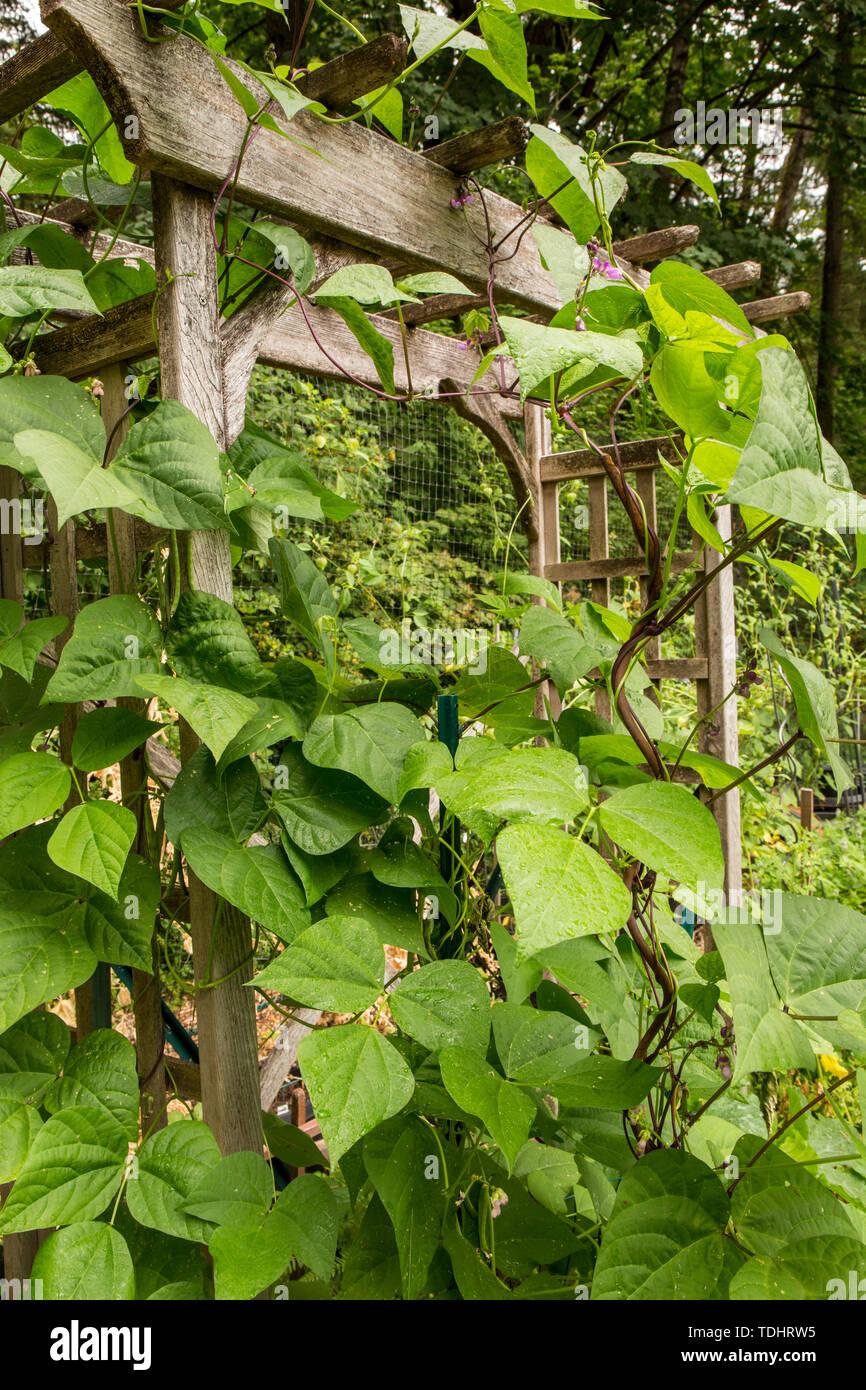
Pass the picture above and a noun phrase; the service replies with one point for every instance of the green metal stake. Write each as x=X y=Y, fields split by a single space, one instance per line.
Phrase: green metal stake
x=449 y=865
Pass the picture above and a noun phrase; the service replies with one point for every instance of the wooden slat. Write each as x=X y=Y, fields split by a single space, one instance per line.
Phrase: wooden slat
x=678 y=668
x=780 y=306
x=654 y=246
x=351 y=75
x=438 y=306
x=39 y=67
x=621 y=567
x=125 y=332
x=478 y=148
x=352 y=183
x=191 y=372
x=733 y=277
x=585 y=463
x=35 y=70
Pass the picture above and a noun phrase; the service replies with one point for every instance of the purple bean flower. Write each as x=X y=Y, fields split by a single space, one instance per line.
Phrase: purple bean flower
x=602 y=266
x=462 y=199
x=579 y=324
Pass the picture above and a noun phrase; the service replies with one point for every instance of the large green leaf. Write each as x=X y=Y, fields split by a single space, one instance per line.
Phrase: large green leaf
x=558 y=643
x=276 y=721
x=32 y=786
x=685 y=288
x=93 y=841
x=767 y=1038
x=104 y=736
x=664 y=1240
x=397 y=1156
x=356 y=1079
x=85 y=1262
x=336 y=964
x=239 y=1187
x=72 y=1171
x=506 y=1111
x=780 y=469
x=99 y=1073
x=43 y=956
x=322 y=809
x=20 y=652
x=541 y=784
x=391 y=912
x=207 y=641
x=665 y=827
x=306 y=599
x=372 y=1266
x=560 y=887
x=213 y=712
x=817 y=959
x=540 y=351
x=551 y=160
x=778 y=1202
x=31 y=289
x=170 y=463
x=370 y=742
x=687 y=169
x=76 y=480
x=506 y=56
x=232 y=805
x=115 y=640
x=171 y=1164
x=256 y=879
x=302 y=1224
x=816 y=704
x=80 y=99
x=47 y=403
x=32 y=1052
x=811 y=1270
x=444 y=1004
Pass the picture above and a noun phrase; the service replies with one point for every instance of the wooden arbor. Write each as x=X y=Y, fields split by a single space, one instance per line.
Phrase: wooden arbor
x=359 y=196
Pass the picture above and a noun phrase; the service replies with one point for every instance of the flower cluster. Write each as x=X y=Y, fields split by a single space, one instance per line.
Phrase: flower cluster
x=600 y=262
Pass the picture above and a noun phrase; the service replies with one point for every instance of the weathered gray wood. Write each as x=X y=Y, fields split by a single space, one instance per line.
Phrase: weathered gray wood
x=241 y=338
x=438 y=306
x=780 y=306
x=654 y=246
x=39 y=67
x=477 y=148
x=284 y=1054
x=733 y=277
x=34 y=71
x=807 y=808
x=354 y=184
x=715 y=639
x=626 y=566
x=433 y=357
x=351 y=75
x=125 y=333
x=585 y=463
x=679 y=668
x=191 y=369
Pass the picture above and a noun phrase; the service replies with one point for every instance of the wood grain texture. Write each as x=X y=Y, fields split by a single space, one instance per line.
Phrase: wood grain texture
x=357 y=72
x=617 y=568
x=733 y=277
x=654 y=246
x=34 y=71
x=585 y=463
x=353 y=184
x=191 y=367
x=476 y=149
x=780 y=306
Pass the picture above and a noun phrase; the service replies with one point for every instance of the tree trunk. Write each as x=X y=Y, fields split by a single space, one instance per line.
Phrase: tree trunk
x=792 y=174
x=675 y=84
x=829 y=335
